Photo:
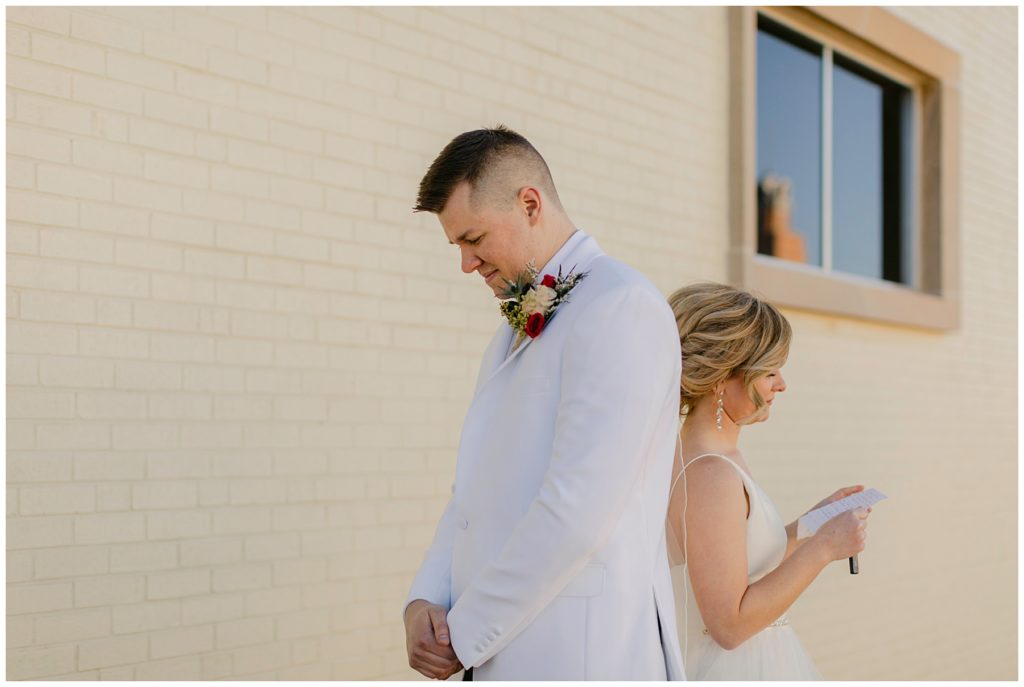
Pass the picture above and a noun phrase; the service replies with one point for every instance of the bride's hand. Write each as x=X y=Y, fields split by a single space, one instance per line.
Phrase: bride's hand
x=844 y=535
x=836 y=495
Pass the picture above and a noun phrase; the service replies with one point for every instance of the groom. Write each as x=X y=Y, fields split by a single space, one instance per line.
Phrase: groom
x=549 y=562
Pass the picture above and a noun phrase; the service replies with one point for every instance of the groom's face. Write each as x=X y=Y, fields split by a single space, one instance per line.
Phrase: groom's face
x=493 y=242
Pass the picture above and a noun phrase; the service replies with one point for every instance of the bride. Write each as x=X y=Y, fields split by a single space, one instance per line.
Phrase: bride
x=736 y=566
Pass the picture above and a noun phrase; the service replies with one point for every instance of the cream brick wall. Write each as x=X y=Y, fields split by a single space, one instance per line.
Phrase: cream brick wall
x=238 y=364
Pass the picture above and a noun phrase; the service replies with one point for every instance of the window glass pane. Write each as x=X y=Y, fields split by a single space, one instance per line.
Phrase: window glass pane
x=872 y=174
x=856 y=174
x=788 y=144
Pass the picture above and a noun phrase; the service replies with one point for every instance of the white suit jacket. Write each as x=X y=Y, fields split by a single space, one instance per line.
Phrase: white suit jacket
x=551 y=553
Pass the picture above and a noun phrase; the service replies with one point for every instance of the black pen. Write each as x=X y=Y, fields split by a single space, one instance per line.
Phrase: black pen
x=853 y=565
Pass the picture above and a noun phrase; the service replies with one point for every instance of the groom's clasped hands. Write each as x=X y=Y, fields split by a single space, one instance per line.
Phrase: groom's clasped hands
x=428 y=641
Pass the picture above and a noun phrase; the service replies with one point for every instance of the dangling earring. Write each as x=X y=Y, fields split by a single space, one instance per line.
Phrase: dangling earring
x=719 y=410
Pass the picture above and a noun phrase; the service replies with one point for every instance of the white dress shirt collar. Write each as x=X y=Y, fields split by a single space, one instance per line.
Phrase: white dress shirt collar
x=560 y=255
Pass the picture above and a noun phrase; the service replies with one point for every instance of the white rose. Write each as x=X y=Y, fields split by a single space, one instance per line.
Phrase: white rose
x=538 y=299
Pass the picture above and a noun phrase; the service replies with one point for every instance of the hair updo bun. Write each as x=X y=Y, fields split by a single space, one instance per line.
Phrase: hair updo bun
x=723 y=332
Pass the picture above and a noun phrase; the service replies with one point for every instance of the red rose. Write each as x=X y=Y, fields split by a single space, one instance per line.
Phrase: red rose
x=549 y=281
x=534 y=325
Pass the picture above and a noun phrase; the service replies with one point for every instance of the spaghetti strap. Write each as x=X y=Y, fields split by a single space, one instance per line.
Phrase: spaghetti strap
x=743 y=475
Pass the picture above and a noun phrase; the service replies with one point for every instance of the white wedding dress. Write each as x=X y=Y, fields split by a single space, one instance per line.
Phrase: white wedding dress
x=774 y=653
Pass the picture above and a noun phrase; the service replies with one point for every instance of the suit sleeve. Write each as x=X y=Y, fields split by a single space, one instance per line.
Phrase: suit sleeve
x=620 y=367
x=433 y=581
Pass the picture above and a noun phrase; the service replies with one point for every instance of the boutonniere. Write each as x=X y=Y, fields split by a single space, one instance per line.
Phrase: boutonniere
x=529 y=306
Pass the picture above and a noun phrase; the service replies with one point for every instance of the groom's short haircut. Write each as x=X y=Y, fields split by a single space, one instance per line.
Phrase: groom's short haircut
x=496 y=162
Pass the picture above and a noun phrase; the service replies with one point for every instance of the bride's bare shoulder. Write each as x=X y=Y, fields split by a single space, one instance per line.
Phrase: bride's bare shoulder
x=698 y=456
x=715 y=482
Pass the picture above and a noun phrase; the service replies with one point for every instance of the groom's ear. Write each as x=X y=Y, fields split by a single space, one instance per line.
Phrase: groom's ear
x=531 y=201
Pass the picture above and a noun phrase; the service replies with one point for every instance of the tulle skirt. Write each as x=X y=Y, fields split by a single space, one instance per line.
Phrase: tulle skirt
x=774 y=653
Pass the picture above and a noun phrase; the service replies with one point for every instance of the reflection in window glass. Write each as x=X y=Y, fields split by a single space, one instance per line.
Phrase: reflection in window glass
x=788 y=144
x=856 y=174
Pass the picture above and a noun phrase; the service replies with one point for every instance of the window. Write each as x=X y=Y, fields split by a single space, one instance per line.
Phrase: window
x=845 y=177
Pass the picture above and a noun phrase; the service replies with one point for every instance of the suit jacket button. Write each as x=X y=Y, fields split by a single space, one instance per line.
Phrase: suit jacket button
x=463 y=523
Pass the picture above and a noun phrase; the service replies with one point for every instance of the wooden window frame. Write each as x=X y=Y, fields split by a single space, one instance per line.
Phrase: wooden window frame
x=879 y=40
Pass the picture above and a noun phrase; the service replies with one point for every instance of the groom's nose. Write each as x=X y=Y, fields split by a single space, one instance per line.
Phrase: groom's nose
x=469 y=261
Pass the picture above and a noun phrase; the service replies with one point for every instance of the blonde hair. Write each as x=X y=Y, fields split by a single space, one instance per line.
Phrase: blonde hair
x=723 y=332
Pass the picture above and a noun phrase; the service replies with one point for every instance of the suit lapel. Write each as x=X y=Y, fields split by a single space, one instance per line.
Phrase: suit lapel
x=512 y=356
x=494 y=355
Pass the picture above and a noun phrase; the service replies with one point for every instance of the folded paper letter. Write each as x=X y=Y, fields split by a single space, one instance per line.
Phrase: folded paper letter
x=810 y=522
